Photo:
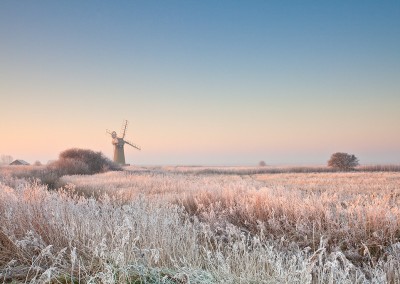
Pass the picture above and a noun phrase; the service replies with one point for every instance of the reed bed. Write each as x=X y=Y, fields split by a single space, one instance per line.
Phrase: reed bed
x=179 y=225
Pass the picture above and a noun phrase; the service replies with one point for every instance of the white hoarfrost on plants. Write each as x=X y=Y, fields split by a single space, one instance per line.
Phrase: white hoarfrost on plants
x=190 y=225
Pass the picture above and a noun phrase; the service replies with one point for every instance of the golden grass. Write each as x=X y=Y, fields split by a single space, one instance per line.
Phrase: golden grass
x=204 y=227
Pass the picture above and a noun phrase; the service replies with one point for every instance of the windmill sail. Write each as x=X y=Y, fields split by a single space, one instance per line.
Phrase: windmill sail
x=133 y=145
x=124 y=126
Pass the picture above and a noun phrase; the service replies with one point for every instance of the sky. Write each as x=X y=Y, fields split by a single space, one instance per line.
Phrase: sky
x=202 y=82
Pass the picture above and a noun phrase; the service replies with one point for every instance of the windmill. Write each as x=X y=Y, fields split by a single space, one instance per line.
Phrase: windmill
x=119 y=142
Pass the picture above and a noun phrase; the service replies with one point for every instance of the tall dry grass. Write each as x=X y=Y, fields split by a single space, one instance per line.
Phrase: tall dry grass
x=351 y=211
x=160 y=225
x=57 y=236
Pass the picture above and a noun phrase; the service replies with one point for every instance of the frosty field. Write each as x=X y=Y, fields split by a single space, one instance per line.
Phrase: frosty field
x=201 y=225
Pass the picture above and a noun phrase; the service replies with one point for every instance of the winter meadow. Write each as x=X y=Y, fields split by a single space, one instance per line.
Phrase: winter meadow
x=198 y=224
x=259 y=142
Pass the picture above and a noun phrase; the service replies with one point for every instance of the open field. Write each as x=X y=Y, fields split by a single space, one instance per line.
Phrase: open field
x=202 y=225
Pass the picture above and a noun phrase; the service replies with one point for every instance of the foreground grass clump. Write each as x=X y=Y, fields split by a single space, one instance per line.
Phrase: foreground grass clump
x=162 y=225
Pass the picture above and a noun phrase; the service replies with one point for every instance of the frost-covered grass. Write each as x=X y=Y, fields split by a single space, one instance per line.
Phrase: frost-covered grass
x=169 y=225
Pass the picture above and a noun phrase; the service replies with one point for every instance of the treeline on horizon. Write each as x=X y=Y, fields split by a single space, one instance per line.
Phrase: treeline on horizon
x=87 y=162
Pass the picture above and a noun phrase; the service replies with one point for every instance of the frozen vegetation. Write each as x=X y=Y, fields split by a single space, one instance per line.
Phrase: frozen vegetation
x=201 y=225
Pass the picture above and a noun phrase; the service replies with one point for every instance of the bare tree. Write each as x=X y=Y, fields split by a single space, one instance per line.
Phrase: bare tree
x=262 y=164
x=6 y=159
x=343 y=161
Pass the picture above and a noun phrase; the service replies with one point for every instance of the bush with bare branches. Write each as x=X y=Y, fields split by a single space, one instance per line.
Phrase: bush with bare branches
x=343 y=161
x=6 y=159
x=83 y=161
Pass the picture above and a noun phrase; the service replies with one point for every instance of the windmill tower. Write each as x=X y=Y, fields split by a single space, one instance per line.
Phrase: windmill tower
x=119 y=142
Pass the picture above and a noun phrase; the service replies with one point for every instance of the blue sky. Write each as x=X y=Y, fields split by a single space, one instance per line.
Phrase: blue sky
x=202 y=82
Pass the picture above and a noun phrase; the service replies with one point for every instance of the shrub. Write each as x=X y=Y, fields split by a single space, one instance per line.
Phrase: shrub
x=343 y=161
x=82 y=161
x=262 y=164
x=69 y=167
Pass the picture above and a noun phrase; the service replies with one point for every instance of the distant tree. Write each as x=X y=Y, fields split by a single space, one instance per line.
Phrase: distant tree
x=343 y=161
x=6 y=159
x=37 y=163
x=262 y=164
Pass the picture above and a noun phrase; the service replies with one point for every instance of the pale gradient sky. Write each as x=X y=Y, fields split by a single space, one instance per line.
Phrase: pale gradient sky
x=202 y=82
